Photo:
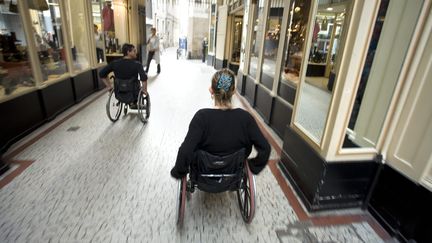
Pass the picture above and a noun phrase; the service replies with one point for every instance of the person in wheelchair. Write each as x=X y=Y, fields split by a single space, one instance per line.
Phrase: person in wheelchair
x=222 y=130
x=125 y=70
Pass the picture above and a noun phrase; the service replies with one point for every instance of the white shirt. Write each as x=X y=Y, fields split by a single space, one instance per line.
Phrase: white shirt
x=154 y=43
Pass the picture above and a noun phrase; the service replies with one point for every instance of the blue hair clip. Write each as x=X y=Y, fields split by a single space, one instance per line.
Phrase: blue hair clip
x=224 y=82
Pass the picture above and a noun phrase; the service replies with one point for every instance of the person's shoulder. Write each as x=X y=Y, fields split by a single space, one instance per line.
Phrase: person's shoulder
x=116 y=61
x=204 y=112
x=135 y=62
x=242 y=112
x=244 y=115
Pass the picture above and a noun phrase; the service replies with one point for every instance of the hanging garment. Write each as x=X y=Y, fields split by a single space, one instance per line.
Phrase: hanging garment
x=108 y=18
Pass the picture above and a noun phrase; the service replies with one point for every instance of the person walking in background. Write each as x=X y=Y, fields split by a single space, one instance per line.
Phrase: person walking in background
x=154 y=52
x=204 y=49
x=99 y=44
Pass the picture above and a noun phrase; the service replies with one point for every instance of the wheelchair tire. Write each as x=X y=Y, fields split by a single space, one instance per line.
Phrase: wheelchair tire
x=181 y=201
x=113 y=107
x=144 y=106
x=246 y=195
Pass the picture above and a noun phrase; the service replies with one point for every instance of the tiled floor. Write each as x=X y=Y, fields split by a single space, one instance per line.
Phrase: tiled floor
x=86 y=179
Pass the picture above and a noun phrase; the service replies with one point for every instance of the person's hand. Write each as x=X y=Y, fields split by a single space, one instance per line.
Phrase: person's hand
x=144 y=90
x=110 y=88
x=176 y=175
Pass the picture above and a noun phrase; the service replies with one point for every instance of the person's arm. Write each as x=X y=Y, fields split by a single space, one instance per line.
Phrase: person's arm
x=188 y=147
x=143 y=78
x=103 y=76
x=260 y=143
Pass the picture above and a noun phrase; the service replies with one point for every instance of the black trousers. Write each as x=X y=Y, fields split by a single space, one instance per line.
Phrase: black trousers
x=99 y=54
x=149 y=58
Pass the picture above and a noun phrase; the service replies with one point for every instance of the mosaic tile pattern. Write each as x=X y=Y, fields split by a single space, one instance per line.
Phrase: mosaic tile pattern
x=109 y=182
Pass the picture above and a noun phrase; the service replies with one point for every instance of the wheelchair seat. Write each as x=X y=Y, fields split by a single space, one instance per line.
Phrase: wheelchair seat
x=213 y=173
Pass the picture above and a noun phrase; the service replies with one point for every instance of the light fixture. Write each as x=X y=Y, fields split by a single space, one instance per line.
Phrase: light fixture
x=329 y=9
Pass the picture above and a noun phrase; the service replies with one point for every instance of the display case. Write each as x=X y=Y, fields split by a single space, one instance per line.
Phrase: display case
x=271 y=43
x=16 y=76
x=48 y=32
x=257 y=38
x=98 y=33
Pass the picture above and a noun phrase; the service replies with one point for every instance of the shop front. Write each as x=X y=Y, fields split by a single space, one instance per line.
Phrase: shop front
x=345 y=89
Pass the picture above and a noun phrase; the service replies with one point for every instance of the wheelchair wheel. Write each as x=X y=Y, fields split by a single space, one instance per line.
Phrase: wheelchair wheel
x=143 y=106
x=246 y=195
x=181 y=201
x=113 y=107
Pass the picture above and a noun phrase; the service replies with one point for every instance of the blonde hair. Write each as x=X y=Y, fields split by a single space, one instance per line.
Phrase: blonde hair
x=223 y=86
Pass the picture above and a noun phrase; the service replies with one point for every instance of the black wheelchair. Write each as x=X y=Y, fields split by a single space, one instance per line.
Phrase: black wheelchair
x=214 y=174
x=123 y=95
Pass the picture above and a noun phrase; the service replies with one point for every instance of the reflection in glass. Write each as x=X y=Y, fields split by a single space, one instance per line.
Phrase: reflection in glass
x=315 y=94
x=256 y=41
x=48 y=37
x=237 y=37
x=293 y=50
x=322 y=55
x=212 y=28
x=271 y=42
x=15 y=70
x=98 y=31
x=78 y=34
x=244 y=33
x=389 y=44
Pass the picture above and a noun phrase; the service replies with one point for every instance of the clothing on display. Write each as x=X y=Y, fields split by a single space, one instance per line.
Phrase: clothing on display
x=108 y=17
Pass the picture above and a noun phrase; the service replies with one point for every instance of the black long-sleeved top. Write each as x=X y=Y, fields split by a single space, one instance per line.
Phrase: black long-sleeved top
x=124 y=69
x=222 y=132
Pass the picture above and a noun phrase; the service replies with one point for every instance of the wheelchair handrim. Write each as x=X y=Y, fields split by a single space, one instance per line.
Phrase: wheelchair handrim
x=246 y=195
x=112 y=101
x=143 y=107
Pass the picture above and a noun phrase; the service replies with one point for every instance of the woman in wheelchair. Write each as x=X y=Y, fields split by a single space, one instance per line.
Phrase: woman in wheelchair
x=126 y=70
x=223 y=135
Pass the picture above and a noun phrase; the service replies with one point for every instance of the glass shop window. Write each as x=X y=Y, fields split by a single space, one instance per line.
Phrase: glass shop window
x=237 y=38
x=212 y=28
x=258 y=29
x=77 y=31
x=271 y=42
x=98 y=32
x=293 y=49
x=112 y=44
x=47 y=32
x=15 y=70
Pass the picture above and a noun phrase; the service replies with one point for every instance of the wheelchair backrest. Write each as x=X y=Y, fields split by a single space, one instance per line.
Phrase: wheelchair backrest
x=125 y=85
x=214 y=173
x=126 y=90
